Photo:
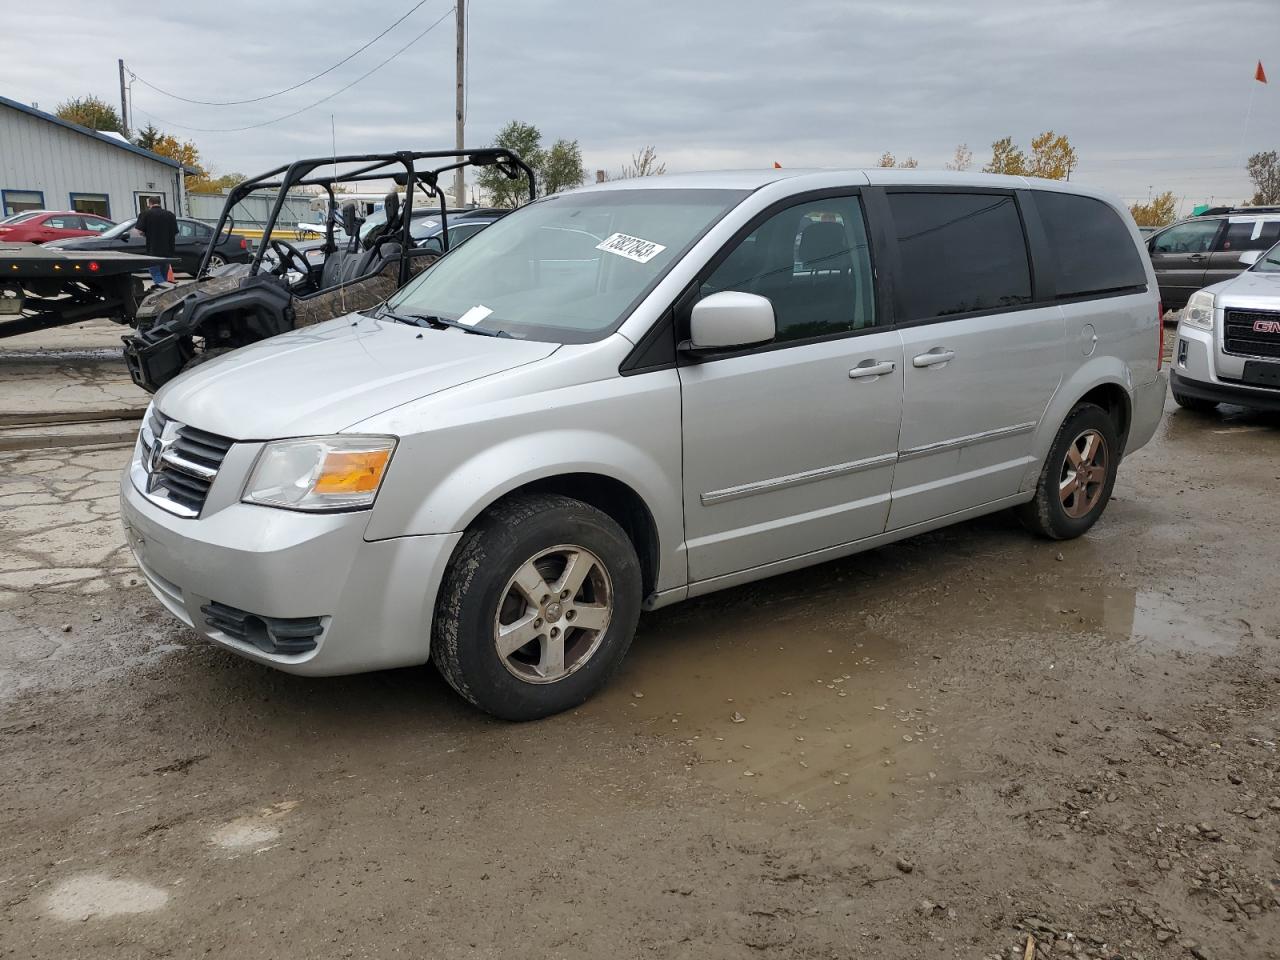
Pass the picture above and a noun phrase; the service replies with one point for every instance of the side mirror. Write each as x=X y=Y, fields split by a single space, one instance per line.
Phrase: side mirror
x=730 y=320
x=1250 y=257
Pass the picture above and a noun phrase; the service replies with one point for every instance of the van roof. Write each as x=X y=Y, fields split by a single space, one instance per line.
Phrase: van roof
x=875 y=176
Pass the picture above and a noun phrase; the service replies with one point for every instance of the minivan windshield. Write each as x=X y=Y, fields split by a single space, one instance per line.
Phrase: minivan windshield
x=568 y=268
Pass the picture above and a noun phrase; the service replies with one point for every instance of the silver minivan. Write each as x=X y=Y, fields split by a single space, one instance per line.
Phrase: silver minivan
x=620 y=397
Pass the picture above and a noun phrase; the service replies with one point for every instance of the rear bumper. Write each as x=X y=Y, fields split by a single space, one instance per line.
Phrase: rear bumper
x=1225 y=393
x=374 y=600
x=1148 y=408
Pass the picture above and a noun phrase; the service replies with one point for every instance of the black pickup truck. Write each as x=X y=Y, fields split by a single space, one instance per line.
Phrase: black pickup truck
x=41 y=288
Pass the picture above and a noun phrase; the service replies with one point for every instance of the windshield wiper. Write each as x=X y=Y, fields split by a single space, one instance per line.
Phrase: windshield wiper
x=439 y=323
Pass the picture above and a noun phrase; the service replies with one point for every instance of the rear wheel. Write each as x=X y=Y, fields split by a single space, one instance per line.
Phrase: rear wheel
x=1078 y=475
x=217 y=260
x=1197 y=404
x=537 y=608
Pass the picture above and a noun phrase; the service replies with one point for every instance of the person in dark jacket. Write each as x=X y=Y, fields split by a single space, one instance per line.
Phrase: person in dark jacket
x=160 y=227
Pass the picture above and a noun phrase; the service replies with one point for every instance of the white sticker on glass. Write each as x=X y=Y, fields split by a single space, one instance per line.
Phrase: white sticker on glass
x=633 y=248
x=475 y=315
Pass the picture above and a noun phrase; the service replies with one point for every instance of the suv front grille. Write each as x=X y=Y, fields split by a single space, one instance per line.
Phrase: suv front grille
x=1241 y=335
x=178 y=464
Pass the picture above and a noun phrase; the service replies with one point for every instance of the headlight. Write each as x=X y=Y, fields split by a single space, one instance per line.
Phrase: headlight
x=1199 y=311
x=320 y=473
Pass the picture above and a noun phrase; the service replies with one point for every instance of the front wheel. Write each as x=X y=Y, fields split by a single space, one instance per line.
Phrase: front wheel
x=537 y=608
x=1078 y=475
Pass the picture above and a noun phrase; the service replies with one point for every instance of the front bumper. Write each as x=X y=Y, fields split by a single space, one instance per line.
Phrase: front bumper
x=375 y=600
x=1218 y=392
x=1195 y=371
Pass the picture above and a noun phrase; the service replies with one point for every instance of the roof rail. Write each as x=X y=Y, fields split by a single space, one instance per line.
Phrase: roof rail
x=1262 y=208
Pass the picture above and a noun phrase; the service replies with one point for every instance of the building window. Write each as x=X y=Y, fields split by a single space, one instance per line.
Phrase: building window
x=141 y=199
x=16 y=201
x=96 y=203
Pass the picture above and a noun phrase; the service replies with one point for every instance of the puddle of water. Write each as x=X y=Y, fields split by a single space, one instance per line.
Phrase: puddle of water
x=777 y=702
x=1150 y=620
x=97 y=896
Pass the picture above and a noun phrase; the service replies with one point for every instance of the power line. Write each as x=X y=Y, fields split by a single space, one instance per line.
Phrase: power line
x=287 y=116
x=268 y=96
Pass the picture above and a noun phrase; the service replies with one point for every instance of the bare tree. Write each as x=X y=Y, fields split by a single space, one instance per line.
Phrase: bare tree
x=962 y=160
x=643 y=164
x=887 y=159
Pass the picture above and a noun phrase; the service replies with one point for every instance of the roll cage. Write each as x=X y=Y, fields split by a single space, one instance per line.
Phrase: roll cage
x=403 y=167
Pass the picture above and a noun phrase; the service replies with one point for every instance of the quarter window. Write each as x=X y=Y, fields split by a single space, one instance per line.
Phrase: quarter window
x=1092 y=247
x=812 y=263
x=1195 y=236
x=960 y=253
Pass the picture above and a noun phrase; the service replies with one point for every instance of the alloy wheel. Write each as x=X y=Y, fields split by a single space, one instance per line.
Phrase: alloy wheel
x=553 y=614
x=1084 y=474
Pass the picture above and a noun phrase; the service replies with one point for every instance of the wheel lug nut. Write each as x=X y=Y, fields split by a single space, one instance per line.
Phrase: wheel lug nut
x=555 y=631
x=571 y=614
x=564 y=594
x=538 y=622
x=546 y=597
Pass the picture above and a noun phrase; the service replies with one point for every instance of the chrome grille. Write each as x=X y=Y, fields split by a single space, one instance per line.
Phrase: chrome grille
x=1252 y=333
x=178 y=464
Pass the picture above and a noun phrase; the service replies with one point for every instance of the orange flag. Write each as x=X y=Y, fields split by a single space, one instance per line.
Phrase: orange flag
x=778 y=166
x=1260 y=75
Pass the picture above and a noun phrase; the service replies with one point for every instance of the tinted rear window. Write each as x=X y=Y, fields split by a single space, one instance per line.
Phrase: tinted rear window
x=1091 y=244
x=961 y=252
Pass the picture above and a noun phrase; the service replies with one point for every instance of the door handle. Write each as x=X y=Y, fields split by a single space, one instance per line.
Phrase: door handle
x=933 y=358
x=1197 y=257
x=872 y=368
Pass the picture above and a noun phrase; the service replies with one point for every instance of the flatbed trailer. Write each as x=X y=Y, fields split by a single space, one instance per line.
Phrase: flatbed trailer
x=42 y=288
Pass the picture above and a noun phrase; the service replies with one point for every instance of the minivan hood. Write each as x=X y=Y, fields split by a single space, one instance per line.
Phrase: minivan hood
x=324 y=378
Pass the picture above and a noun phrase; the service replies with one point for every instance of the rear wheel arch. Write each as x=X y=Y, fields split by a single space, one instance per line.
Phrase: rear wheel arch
x=1115 y=400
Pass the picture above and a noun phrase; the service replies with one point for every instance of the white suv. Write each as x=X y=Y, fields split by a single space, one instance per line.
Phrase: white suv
x=1228 y=348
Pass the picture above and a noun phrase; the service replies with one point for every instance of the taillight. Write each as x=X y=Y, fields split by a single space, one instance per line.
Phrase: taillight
x=244 y=244
x=93 y=266
x=1159 y=336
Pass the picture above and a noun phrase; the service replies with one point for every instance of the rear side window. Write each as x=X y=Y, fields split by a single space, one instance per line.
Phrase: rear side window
x=1091 y=245
x=1249 y=235
x=960 y=253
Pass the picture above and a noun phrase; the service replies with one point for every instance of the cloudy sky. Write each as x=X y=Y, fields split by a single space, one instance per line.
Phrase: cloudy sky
x=1154 y=94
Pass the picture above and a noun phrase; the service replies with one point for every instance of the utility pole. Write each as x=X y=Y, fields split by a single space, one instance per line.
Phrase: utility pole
x=459 y=179
x=124 y=101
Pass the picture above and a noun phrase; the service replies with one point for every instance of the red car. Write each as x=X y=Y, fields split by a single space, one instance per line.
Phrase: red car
x=37 y=226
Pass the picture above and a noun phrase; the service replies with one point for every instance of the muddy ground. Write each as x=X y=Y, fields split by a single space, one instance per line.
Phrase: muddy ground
x=946 y=745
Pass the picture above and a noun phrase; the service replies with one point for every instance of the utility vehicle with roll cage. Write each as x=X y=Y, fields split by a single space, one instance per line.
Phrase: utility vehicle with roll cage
x=282 y=288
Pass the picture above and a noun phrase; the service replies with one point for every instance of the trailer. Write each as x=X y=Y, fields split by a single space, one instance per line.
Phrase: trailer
x=42 y=288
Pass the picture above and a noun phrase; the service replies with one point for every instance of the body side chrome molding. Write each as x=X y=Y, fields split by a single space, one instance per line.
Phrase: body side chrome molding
x=795 y=479
x=967 y=441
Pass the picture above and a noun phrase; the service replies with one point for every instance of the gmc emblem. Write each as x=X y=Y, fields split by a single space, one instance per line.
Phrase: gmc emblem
x=1266 y=326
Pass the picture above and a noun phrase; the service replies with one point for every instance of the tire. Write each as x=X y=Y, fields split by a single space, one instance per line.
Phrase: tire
x=480 y=600
x=1197 y=404
x=217 y=260
x=1063 y=514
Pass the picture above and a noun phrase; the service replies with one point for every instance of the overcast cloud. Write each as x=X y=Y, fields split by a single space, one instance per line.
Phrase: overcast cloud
x=1153 y=93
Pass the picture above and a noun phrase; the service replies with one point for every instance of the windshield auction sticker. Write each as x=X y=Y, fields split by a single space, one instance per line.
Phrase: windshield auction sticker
x=633 y=248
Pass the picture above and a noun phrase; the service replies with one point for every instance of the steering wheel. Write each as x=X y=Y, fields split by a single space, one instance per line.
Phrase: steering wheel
x=288 y=254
